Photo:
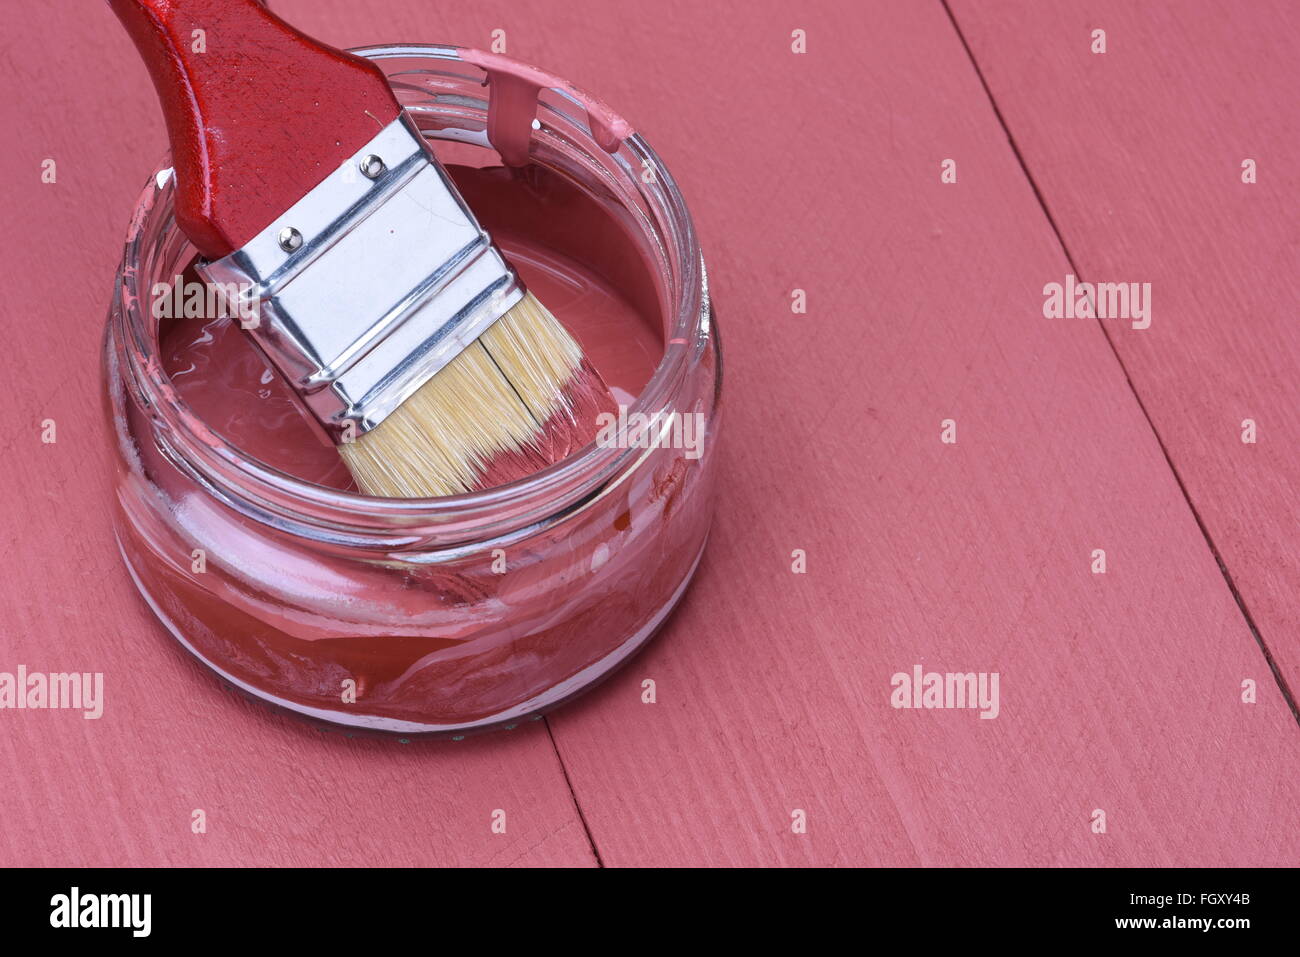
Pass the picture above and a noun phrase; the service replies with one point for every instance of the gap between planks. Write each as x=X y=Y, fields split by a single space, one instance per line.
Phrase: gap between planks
x=1182 y=488
x=573 y=795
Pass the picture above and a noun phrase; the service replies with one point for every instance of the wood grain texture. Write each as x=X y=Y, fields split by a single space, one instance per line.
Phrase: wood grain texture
x=1139 y=154
x=1121 y=692
x=817 y=171
x=121 y=789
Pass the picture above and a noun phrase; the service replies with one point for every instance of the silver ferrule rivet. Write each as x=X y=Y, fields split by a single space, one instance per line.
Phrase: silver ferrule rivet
x=290 y=239
x=372 y=167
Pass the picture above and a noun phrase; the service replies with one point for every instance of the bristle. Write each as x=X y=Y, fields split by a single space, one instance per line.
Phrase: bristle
x=519 y=399
x=535 y=353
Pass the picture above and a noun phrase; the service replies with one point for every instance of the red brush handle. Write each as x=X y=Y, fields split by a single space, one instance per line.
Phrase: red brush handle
x=257 y=113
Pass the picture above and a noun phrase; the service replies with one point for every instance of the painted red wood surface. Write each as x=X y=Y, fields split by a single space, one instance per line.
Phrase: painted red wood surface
x=1184 y=95
x=122 y=789
x=816 y=171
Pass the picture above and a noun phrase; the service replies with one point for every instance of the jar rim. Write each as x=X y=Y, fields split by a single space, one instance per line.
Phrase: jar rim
x=301 y=507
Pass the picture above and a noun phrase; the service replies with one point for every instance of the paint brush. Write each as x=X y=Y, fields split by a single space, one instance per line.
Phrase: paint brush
x=303 y=185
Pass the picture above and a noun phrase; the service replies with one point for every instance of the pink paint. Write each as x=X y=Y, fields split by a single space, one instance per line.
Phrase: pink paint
x=513 y=106
x=569 y=253
x=773 y=687
x=438 y=636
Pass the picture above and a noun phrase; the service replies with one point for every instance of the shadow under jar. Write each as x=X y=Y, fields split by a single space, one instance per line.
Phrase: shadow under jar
x=433 y=616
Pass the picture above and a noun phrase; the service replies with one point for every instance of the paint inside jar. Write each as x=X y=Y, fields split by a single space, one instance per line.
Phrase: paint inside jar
x=569 y=251
x=455 y=614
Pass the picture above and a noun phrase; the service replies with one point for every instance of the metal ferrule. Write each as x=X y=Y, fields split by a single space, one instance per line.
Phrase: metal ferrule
x=371 y=283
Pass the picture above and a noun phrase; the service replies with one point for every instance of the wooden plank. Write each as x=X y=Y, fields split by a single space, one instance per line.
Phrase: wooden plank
x=121 y=790
x=1139 y=152
x=1120 y=691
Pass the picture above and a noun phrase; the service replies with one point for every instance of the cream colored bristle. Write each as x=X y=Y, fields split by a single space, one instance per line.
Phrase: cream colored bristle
x=492 y=398
x=535 y=353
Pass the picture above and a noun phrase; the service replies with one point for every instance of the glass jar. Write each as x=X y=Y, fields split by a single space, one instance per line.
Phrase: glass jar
x=426 y=616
